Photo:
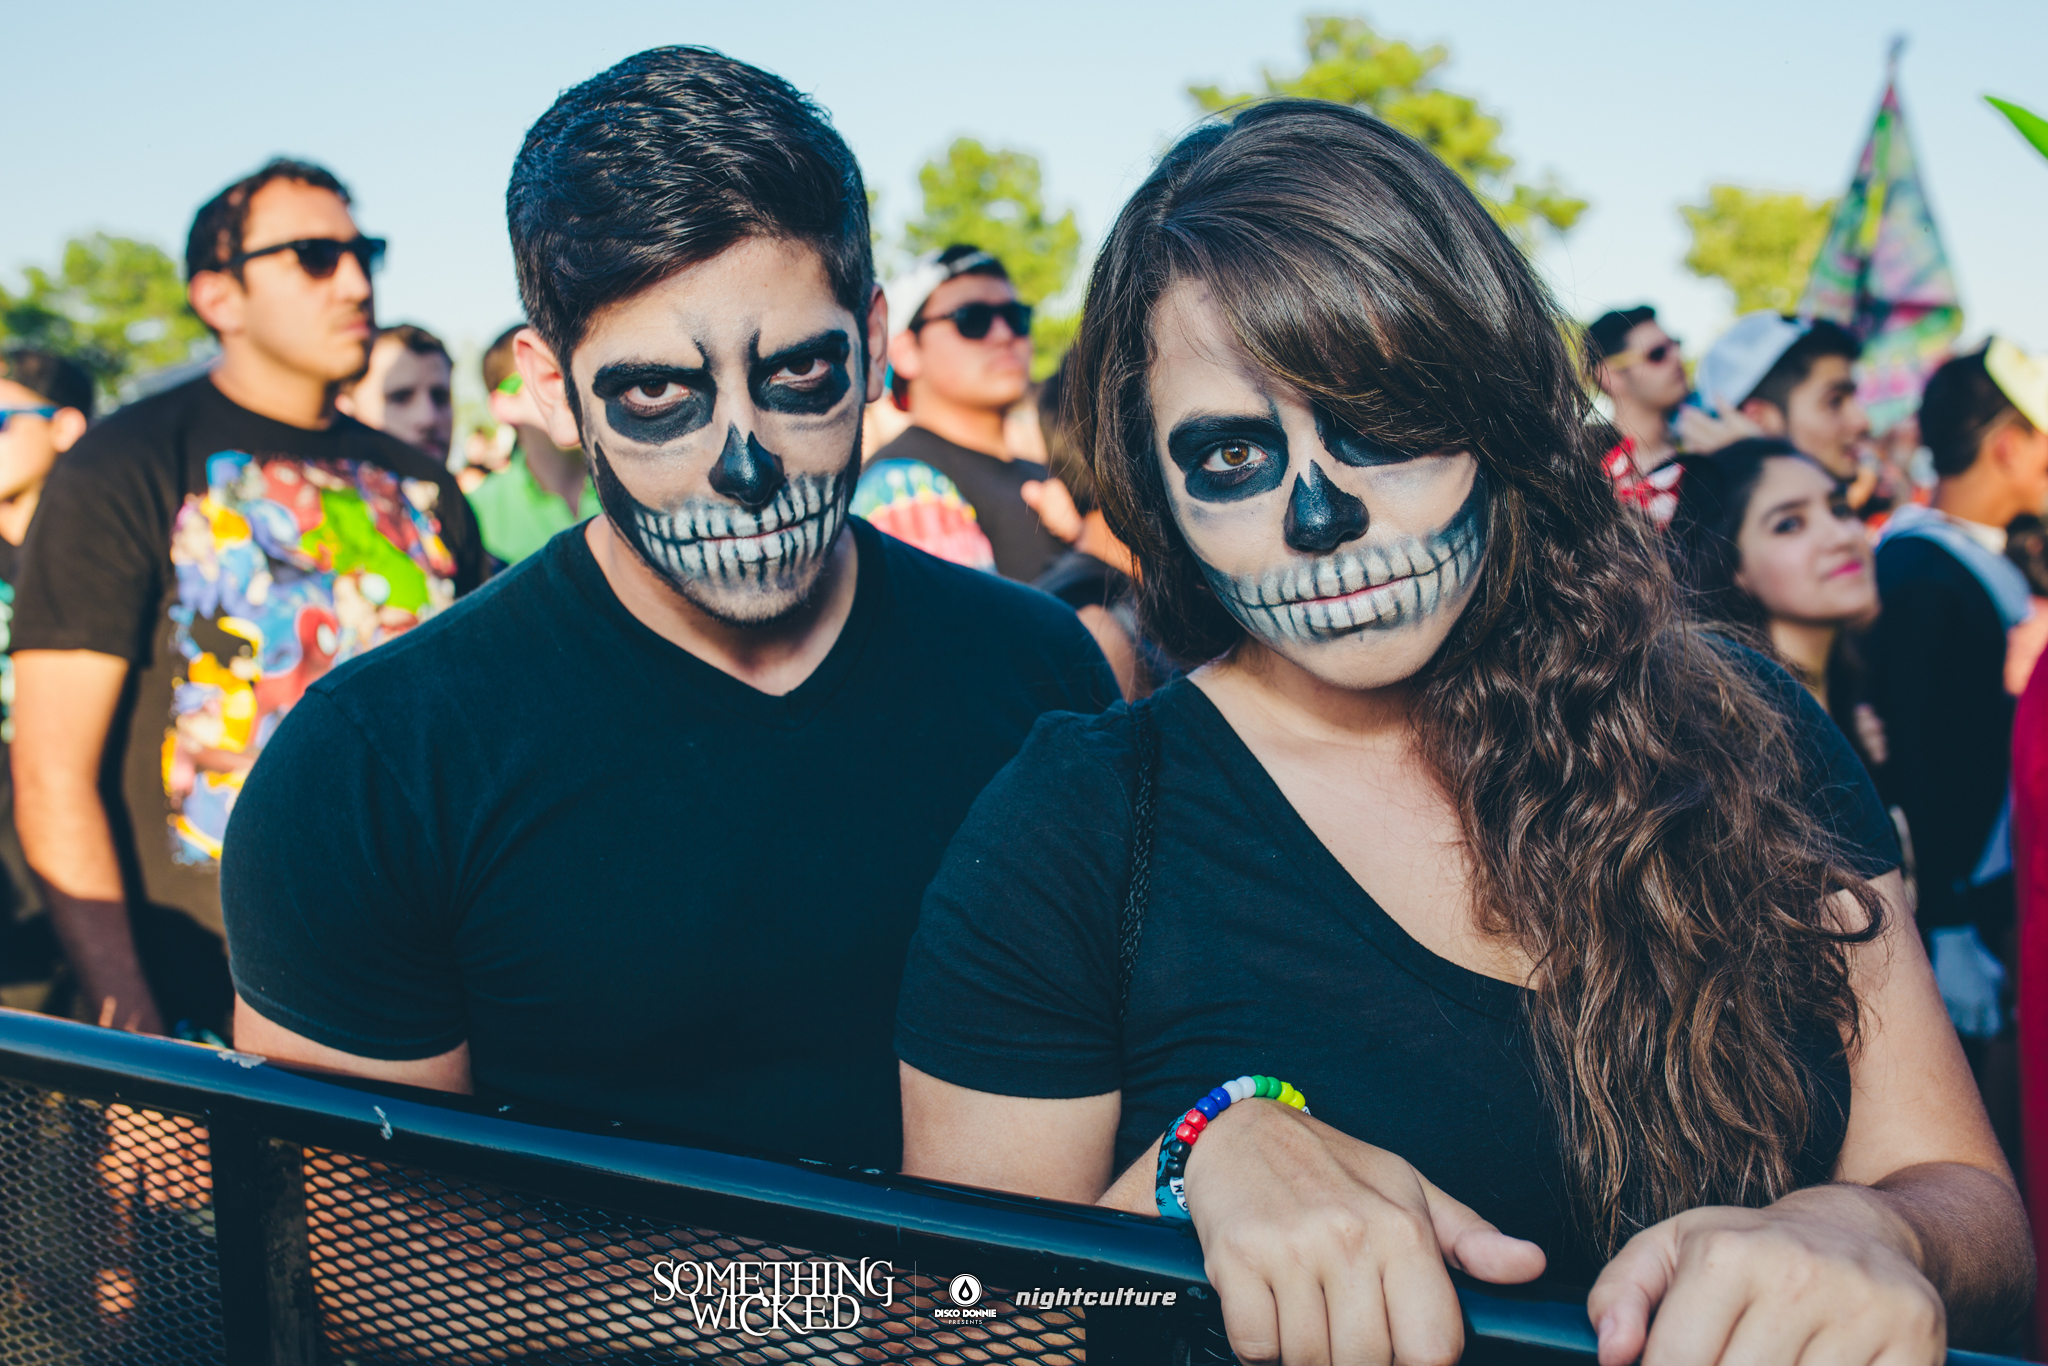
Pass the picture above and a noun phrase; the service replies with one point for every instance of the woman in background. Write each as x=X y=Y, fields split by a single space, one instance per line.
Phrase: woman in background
x=1765 y=540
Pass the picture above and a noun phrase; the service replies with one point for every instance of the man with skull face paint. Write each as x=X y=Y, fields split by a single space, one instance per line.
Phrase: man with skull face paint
x=1581 y=930
x=785 y=714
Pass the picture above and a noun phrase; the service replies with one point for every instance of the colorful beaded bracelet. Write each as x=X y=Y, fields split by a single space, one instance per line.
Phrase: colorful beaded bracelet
x=1171 y=1192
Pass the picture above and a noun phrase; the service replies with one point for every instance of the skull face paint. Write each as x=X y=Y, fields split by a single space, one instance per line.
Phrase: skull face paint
x=713 y=552
x=724 y=432
x=1350 y=560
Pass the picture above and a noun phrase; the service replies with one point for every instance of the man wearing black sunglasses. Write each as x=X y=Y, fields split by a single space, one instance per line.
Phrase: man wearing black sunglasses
x=960 y=358
x=1642 y=374
x=197 y=561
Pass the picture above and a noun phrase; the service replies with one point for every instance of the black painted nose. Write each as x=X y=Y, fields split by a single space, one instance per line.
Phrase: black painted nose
x=747 y=472
x=1321 y=516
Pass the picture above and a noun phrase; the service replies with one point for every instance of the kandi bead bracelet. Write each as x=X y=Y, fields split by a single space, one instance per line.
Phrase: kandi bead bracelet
x=1171 y=1193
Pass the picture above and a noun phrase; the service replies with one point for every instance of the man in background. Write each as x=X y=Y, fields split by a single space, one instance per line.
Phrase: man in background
x=198 y=559
x=960 y=358
x=407 y=391
x=45 y=406
x=1642 y=374
x=544 y=488
x=1939 y=668
x=1791 y=377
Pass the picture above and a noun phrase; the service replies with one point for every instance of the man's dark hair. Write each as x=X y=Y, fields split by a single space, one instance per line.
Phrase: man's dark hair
x=1822 y=339
x=51 y=377
x=666 y=160
x=498 y=361
x=1609 y=332
x=416 y=339
x=1959 y=408
x=218 y=227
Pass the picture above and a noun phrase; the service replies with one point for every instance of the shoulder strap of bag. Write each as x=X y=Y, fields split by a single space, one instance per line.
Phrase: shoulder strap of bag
x=1139 y=891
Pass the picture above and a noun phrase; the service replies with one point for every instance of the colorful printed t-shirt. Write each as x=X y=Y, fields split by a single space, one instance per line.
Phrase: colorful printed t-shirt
x=233 y=560
x=915 y=503
x=993 y=487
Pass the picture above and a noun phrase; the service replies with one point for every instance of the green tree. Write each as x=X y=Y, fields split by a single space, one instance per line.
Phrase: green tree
x=1761 y=245
x=114 y=303
x=995 y=200
x=1351 y=63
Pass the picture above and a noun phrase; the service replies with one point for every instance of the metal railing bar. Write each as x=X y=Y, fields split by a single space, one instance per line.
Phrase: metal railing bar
x=774 y=1199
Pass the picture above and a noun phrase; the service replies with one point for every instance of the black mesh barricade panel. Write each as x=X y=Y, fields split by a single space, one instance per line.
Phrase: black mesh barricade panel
x=106 y=1234
x=413 y=1266
x=163 y=1204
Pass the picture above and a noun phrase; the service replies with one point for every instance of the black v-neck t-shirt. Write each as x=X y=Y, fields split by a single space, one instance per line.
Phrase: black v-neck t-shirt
x=637 y=887
x=1259 y=954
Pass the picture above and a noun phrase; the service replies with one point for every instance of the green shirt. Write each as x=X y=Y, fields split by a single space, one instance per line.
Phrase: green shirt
x=517 y=516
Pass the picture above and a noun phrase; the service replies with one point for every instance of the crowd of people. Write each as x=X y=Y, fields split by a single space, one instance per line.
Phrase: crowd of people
x=1591 y=783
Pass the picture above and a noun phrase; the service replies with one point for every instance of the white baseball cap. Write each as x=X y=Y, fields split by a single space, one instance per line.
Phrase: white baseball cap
x=1733 y=367
x=909 y=291
x=2022 y=378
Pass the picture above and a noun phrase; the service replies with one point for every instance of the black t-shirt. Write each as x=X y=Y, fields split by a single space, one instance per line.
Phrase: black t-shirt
x=1937 y=674
x=1023 y=547
x=22 y=896
x=231 y=559
x=1259 y=954
x=636 y=886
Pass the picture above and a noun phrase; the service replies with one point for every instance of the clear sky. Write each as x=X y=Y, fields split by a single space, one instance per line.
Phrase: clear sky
x=125 y=116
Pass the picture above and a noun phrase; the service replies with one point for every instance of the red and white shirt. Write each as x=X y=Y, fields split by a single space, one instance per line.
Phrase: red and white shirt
x=1656 y=493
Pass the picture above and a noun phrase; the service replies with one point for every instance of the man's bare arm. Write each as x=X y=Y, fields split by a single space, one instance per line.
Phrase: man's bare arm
x=267 y=1038
x=64 y=702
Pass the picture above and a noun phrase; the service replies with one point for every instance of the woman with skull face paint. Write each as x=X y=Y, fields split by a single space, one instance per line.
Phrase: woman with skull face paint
x=1579 y=927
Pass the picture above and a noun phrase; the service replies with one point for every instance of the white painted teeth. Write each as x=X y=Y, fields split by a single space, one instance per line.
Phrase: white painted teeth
x=1307 y=601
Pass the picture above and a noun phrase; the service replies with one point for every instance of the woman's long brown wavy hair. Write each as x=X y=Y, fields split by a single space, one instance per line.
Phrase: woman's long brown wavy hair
x=1630 y=791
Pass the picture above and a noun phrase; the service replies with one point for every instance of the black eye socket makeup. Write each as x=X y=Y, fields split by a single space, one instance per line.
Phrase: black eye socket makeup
x=636 y=408
x=1352 y=447
x=817 y=376
x=1225 y=459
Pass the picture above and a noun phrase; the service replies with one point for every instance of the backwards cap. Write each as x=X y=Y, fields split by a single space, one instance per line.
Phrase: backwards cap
x=1736 y=364
x=909 y=292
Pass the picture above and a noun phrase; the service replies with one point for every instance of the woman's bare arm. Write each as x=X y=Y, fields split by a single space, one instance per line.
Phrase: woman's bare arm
x=1919 y=1135
x=1060 y=1149
x=1321 y=1248
x=1922 y=1239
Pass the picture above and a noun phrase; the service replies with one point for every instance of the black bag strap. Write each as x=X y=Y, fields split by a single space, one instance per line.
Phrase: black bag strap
x=1138 y=893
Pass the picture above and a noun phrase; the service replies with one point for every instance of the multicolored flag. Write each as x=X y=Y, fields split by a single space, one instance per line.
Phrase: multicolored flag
x=1882 y=272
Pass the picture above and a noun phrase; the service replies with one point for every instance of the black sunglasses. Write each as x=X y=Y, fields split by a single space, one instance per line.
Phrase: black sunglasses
x=320 y=257
x=974 y=320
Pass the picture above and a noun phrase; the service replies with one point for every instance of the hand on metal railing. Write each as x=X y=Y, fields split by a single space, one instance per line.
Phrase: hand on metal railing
x=1334 y=1247
x=1731 y=1284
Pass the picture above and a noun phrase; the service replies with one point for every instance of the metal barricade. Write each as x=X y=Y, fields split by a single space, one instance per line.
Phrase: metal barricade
x=167 y=1203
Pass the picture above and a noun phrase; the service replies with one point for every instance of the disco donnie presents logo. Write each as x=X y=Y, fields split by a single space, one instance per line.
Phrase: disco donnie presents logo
x=964 y=1291
x=759 y=1298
